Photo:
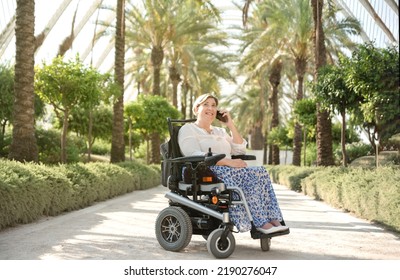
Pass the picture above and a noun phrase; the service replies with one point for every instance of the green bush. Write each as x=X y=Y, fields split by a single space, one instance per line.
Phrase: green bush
x=373 y=194
x=29 y=191
x=353 y=151
x=148 y=176
x=5 y=142
x=290 y=175
x=101 y=147
x=48 y=142
x=311 y=154
x=23 y=195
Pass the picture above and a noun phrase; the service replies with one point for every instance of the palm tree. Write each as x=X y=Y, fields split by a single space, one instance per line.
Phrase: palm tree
x=118 y=142
x=284 y=29
x=23 y=146
x=202 y=68
x=287 y=32
x=252 y=119
x=151 y=27
x=173 y=30
x=324 y=124
x=194 y=30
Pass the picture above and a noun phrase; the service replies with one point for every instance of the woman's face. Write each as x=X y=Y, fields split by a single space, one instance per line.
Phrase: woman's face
x=207 y=110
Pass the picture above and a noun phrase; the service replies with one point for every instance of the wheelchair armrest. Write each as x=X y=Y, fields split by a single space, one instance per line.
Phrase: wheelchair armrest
x=208 y=160
x=244 y=157
x=212 y=160
x=187 y=159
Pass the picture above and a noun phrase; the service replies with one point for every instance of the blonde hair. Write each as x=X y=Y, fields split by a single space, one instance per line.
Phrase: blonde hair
x=201 y=99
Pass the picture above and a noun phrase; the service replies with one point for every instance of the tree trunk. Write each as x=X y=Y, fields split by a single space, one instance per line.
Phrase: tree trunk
x=130 y=139
x=324 y=124
x=257 y=139
x=300 y=66
x=185 y=90
x=64 y=137
x=175 y=79
x=155 y=143
x=118 y=141
x=297 y=145
x=269 y=154
x=343 y=138
x=90 y=135
x=305 y=146
x=324 y=139
x=157 y=56
x=24 y=146
x=265 y=153
x=275 y=79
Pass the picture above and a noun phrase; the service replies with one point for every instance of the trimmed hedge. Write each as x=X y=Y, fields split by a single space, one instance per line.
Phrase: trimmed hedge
x=290 y=175
x=373 y=194
x=29 y=191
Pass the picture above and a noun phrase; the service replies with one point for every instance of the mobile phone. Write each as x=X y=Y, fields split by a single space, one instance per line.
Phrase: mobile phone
x=221 y=117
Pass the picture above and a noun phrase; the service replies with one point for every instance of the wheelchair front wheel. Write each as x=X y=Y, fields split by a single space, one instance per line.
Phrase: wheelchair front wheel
x=173 y=229
x=219 y=248
x=265 y=243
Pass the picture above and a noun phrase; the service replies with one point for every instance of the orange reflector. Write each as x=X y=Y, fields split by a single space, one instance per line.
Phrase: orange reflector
x=214 y=200
x=207 y=179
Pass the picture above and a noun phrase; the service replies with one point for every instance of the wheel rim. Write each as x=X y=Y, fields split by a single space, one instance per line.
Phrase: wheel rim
x=171 y=229
x=223 y=246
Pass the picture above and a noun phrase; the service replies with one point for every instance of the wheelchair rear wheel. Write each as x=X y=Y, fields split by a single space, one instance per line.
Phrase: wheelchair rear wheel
x=173 y=229
x=218 y=248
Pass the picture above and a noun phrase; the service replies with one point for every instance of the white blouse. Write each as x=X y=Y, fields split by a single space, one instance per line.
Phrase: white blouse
x=195 y=141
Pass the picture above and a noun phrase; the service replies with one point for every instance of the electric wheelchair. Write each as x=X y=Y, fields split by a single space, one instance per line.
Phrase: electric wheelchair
x=199 y=202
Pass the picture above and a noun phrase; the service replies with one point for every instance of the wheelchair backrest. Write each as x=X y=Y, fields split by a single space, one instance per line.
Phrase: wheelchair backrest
x=172 y=172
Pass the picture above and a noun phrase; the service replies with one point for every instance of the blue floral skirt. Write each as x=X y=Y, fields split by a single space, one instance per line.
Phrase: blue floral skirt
x=258 y=191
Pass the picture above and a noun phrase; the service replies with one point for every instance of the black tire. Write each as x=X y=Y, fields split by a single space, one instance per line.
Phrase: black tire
x=265 y=243
x=219 y=249
x=173 y=229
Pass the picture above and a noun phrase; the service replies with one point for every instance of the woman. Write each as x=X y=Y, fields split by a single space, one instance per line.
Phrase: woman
x=196 y=139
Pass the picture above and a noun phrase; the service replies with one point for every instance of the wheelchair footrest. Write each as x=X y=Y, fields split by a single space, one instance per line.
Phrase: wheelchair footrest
x=255 y=234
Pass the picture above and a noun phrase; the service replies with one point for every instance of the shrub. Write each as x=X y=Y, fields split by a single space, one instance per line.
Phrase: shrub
x=101 y=147
x=311 y=154
x=353 y=151
x=48 y=142
x=290 y=175
x=148 y=175
x=372 y=194
x=23 y=194
x=29 y=191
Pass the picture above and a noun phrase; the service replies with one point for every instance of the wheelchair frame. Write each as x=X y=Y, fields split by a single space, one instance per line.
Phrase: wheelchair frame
x=198 y=207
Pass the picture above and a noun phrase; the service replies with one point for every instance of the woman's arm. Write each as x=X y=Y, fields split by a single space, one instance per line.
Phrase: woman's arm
x=236 y=137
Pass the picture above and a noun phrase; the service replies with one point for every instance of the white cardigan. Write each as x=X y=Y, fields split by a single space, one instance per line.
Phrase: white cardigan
x=194 y=140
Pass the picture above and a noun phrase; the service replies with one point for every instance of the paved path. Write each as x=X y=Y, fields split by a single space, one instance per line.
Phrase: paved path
x=123 y=229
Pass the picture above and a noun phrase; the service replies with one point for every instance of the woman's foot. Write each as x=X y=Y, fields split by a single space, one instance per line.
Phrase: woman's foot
x=268 y=226
x=271 y=227
x=276 y=223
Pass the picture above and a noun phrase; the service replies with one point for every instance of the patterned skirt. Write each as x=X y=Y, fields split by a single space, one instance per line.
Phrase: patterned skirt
x=258 y=191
